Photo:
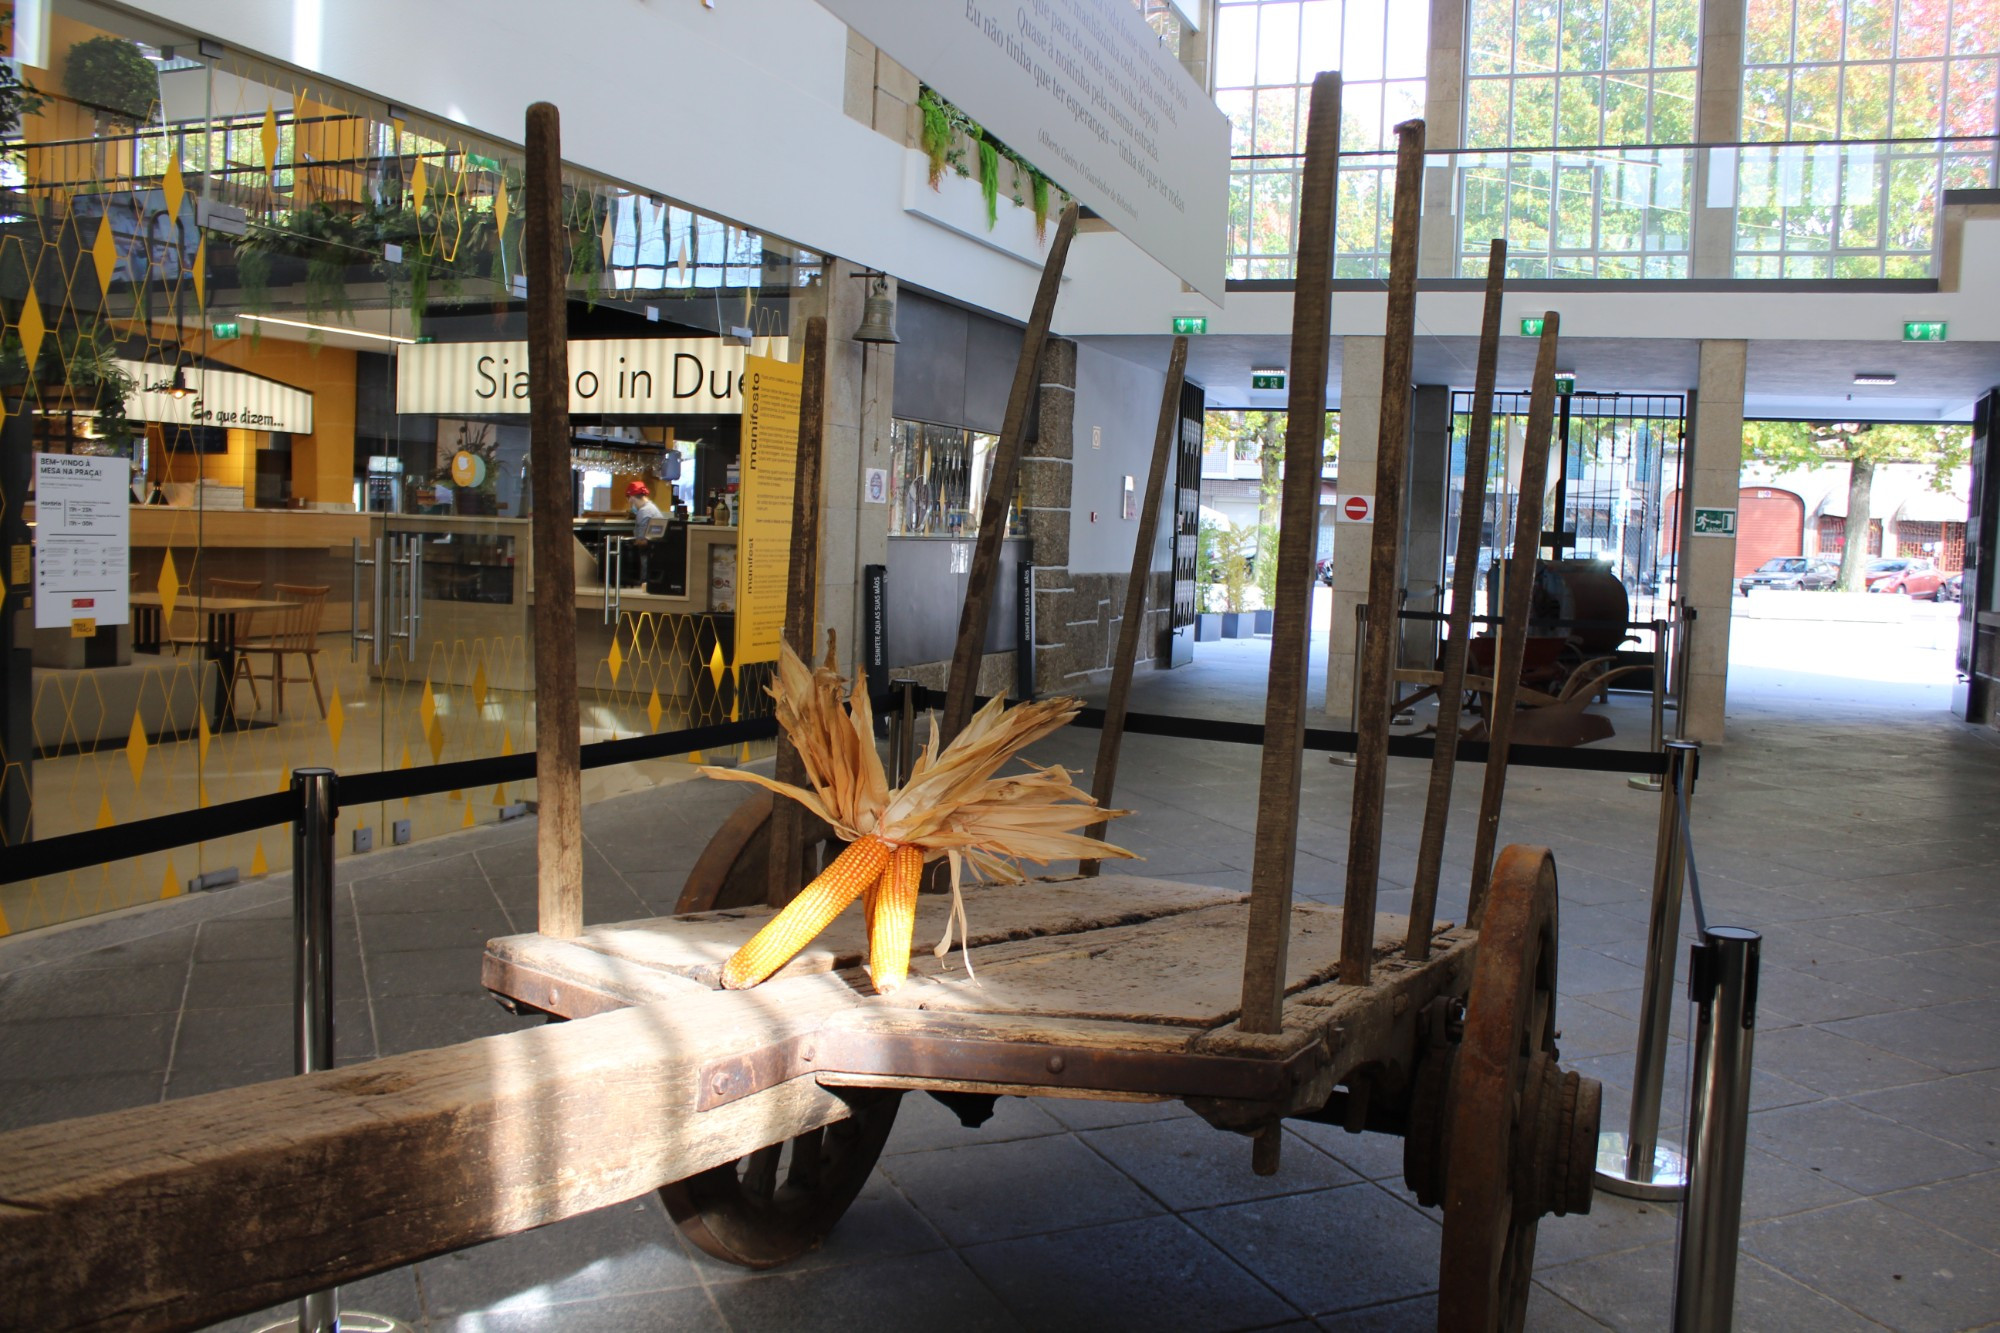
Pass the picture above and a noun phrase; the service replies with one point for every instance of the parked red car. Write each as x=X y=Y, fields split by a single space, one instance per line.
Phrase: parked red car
x=1912 y=575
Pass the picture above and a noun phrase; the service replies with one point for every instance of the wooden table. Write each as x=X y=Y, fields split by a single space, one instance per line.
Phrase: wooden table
x=224 y=625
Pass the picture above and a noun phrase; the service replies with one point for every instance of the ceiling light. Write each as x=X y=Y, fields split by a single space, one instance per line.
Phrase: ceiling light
x=330 y=328
x=1874 y=377
x=179 y=387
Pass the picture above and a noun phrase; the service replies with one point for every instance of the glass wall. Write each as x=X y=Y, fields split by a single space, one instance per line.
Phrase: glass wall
x=1580 y=73
x=288 y=323
x=1917 y=80
x=1266 y=55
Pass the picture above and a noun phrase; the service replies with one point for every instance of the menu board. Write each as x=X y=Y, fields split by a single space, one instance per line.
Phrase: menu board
x=771 y=393
x=83 y=542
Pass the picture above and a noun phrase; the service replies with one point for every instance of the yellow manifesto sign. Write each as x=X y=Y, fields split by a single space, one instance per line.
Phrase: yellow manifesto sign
x=771 y=392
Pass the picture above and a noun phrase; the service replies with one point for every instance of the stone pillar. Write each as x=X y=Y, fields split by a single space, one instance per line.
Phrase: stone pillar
x=1360 y=423
x=1708 y=564
x=1718 y=119
x=1444 y=128
x=860 y=389
x=1045 y=489
x=1425 y=538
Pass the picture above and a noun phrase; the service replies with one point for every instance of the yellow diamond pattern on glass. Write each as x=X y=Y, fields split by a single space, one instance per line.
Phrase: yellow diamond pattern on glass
x=616 y=660
x=104 y=254
x=173 y=188
x=259 y=863
x=170 y=884
x=168 y=586
x=136 y=747
x=267 y=136
x=32 y=329
x=479 y=687
x=653 y=710
x=336 y=720
x=201 y=273
x=105 y=819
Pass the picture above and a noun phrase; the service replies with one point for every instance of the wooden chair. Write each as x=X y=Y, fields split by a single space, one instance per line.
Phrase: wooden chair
x=296 y=631
x=237 y=668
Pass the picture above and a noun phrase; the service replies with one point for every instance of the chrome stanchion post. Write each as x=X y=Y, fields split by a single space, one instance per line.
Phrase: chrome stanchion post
x=1651 y=782
x=312 y=980
x=1722 y=982
x=1636 y=1164
x=1354 y=704
x=312 y=1002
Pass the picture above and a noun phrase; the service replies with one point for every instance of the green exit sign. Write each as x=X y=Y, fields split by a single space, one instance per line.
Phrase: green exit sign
x=1923 y=330
x=1190 y=323
x=224 y=330
x=1531 y=328
x=1565 y=384
x=1267 y=379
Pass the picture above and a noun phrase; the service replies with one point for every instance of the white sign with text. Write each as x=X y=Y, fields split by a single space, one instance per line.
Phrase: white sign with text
x=627 y=376
x=83 y=542
x=1089 y=94
x=227 y=398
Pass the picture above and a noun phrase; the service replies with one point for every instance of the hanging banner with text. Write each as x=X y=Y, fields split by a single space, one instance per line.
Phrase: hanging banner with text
x=83 y=542
x=1085 y=91
x=624 y=376
x=771 y=391
x=211 y=397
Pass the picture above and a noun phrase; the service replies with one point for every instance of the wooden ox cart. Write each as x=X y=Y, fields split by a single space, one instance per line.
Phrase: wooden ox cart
x=767 y=1107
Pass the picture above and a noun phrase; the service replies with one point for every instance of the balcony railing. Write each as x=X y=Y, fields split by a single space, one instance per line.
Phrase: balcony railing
x=1806 y=211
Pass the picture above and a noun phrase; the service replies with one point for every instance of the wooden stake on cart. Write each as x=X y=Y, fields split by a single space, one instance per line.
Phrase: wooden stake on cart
x=1451 y=690
x=963 y=686
x=1268 y=942
x=1514 y=617
x=801 y=602
x=558 y=730
x=1385 y=568
x=1165 y=436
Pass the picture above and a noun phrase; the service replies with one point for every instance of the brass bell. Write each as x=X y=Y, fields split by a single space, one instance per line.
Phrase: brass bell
x=878 y=315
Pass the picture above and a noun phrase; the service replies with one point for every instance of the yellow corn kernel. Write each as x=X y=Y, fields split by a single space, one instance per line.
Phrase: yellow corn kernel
x=853 y=871
x=895 y=919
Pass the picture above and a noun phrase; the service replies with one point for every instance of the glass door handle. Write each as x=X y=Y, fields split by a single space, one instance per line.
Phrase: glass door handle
x=356 y=636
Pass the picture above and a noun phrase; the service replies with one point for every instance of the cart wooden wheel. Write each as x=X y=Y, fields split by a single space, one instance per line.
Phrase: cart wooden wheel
x=779 y=1202
x=730 y=872
x=1520 y=1135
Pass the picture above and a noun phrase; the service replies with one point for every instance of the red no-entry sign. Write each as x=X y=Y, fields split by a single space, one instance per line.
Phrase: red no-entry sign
x=1358 y=509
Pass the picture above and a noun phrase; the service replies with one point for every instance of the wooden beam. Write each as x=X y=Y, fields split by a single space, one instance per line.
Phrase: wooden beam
x=1451 y=688
x=175 y=1216
x=801 y=601
x=558 y=729
x=1268 y=939
x=1166 y=436
x=963 y=685
x=1385 y=570
x=1514 y=616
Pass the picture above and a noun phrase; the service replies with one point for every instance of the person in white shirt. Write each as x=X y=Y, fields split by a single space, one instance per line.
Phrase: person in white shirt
x=648 y=523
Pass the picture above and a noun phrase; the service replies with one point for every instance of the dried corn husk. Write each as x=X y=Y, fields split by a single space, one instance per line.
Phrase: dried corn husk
x=952 y=805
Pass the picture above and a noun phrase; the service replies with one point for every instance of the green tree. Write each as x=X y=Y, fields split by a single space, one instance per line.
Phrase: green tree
x=1791 y=446
x=1261 y=435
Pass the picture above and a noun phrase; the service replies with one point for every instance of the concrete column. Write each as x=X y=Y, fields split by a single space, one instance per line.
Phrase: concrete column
x=1360 y=423
x=860 y=389
x=1718 y=119
x=1444 y=128
x=1424 y=535
x=1708 y=564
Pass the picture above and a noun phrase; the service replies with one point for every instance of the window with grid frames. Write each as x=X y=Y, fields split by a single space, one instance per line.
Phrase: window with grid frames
x=1922 y=72
x=1266 y=54
x=1579 y=73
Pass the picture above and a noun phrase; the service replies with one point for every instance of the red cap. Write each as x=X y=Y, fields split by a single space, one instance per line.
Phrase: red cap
x=637 y=488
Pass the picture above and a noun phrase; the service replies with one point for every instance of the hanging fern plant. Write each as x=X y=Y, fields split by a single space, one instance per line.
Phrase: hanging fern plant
x=1038 y=190
x=938 y=133
x=989 y=180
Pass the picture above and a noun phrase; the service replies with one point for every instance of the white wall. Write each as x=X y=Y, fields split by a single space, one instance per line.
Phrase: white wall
x=735 y=110
x=1121 y=401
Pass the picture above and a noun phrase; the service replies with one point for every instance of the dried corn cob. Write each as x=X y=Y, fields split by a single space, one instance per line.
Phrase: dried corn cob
x=894 y=922
x=852 y=872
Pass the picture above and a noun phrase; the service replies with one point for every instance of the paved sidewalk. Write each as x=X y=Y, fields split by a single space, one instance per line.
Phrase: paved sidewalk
x=1854 y=827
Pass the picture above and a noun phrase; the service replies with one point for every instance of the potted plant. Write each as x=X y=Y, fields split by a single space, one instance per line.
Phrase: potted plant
x=1267 y=576
x=1233 y=547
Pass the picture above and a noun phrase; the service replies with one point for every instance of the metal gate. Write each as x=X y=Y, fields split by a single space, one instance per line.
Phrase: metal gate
x=1621 y=455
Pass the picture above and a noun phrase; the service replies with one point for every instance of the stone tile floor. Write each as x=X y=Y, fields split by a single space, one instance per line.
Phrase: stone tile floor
x=1852 y=822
